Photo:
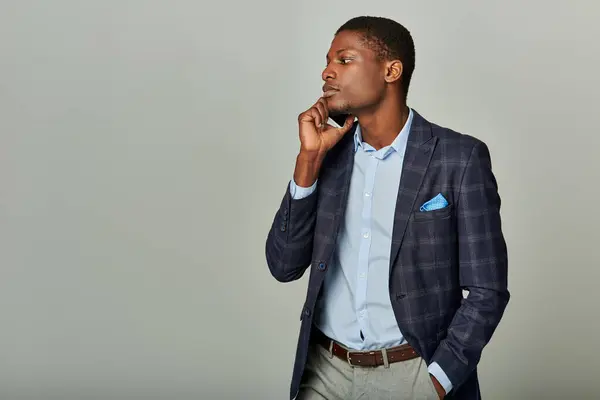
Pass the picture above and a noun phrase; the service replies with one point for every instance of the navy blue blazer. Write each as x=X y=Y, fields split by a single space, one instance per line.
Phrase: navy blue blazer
x=434 y=255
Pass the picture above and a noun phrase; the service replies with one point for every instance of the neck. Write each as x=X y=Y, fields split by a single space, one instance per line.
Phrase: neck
x=379 y=127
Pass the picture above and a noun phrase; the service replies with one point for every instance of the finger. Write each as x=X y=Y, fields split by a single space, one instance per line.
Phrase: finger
x=316 y=114
x=317 y=118
x=307 y=116
x=310 y=116
x=324 y=109
x=323 y=113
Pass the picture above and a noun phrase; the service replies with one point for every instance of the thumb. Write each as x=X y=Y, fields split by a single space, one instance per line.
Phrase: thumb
x=347 y=125
x=336 y=134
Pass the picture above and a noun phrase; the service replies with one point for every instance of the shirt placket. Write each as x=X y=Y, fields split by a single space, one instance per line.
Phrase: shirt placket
x=365 y=244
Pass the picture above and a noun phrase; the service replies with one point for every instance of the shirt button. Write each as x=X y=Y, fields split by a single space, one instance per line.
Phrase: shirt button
x=362 y=276
x=368 y=194
x=366 y=235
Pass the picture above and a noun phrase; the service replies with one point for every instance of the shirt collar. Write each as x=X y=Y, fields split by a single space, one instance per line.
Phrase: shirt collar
x=399 y=142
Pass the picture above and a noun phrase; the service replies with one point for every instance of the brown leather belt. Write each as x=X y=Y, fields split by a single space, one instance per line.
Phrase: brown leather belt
x=372 y=358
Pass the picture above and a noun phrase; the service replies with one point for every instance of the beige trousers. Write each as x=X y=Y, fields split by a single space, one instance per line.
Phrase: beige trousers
x=334 y=379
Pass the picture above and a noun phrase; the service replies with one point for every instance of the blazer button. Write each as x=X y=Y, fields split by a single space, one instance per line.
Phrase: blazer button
x=322 y=266
x=306 y=312
x=282 y=228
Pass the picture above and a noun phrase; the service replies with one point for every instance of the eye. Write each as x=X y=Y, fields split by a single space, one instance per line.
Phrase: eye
x=345 y=60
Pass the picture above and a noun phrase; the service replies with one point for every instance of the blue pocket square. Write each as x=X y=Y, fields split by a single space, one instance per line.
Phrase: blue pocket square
x=436 y=203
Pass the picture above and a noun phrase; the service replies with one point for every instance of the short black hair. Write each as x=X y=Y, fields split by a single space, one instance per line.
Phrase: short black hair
x=389 y=40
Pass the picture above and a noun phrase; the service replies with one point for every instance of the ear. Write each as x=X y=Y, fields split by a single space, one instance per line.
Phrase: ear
x=393 y=71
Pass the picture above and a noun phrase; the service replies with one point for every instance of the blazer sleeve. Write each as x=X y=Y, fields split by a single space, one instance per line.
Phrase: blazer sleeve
x=290 y=239
x=482 y=269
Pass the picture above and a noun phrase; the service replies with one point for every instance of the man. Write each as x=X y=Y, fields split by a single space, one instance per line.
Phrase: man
x=394 y=216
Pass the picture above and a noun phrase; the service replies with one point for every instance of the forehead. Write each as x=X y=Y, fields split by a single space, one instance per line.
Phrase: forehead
x=351 y=41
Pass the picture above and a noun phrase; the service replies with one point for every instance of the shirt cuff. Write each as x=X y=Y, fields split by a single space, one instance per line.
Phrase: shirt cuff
x=299 y=192
x=435 y=370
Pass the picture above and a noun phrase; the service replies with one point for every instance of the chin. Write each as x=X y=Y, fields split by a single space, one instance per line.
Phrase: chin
x=337 y=108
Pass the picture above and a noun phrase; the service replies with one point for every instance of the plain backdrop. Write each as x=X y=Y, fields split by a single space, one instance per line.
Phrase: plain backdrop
x=146 y=145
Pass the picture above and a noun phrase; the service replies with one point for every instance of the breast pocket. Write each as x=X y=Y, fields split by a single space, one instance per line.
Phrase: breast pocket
x=425 y=216
x=434 y=233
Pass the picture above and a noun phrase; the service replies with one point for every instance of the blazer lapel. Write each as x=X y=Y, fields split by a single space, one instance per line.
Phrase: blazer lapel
x=419 y=150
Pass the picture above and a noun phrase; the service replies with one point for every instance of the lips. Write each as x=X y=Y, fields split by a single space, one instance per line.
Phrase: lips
x=329 y=90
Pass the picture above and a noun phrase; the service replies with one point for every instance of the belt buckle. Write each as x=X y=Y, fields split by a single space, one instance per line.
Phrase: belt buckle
x=348 y=358
x=383 y=352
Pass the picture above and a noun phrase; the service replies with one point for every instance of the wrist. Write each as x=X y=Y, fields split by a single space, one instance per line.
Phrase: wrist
x=307 y=169
x=310 y=157
x=438 y=386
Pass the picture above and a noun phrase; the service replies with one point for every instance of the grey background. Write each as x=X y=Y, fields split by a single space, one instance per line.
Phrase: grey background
x=145 y=146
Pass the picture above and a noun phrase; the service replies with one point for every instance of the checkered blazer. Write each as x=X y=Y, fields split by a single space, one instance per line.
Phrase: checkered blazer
x=433 y=257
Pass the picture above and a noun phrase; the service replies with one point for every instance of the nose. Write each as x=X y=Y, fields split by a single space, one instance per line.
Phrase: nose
x=328 y=73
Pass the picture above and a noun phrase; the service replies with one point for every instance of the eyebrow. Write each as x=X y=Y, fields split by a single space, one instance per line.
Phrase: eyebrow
x=338 y=52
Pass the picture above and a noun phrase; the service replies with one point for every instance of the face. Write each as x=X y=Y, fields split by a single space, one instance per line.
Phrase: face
x=354 y=79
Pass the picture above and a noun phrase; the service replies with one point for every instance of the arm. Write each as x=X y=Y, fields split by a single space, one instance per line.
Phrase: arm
x=482 y=269
x=290 y=239
x=289 y=243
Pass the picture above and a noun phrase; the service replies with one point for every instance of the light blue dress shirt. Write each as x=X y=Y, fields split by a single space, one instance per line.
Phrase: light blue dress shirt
x=355 y=308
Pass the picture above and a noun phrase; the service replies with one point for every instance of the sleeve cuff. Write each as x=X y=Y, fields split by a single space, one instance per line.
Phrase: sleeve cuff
x=299 y=192
x=435 y=370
